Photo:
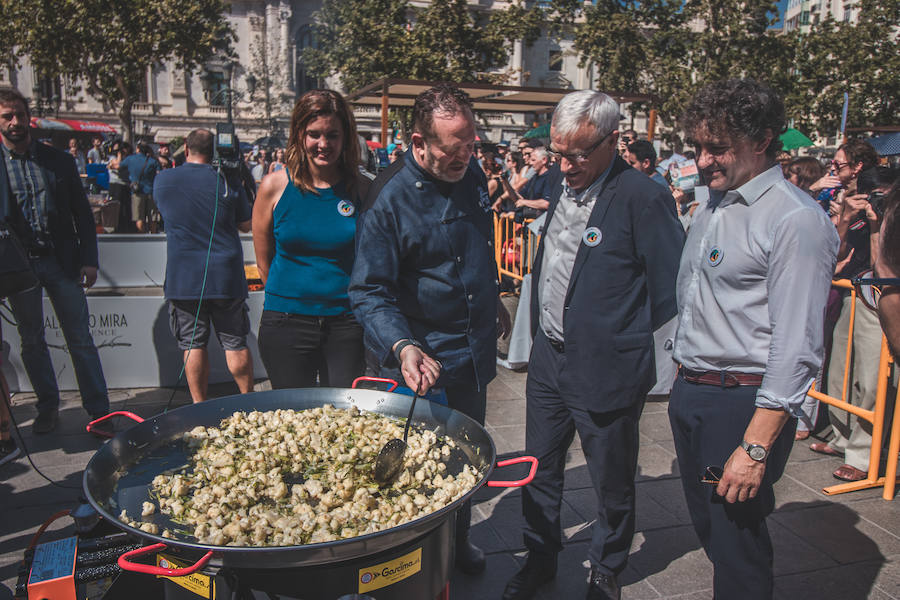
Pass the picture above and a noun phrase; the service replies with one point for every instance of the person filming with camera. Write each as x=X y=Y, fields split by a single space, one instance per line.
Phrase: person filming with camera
x=204 y=211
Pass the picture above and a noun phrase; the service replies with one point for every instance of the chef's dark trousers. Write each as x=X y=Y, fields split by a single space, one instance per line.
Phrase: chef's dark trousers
x=471 y=402
x=708 y=423
x=610 y=444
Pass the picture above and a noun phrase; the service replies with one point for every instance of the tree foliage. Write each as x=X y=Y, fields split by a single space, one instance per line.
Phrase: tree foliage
x=444 y=40
x=671 y=48
x=109 y=45
x=862 y=59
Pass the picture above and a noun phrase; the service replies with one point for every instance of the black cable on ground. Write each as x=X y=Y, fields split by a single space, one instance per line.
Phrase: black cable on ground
x=21 y=440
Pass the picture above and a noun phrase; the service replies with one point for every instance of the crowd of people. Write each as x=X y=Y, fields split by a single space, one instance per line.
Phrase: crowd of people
x=397 y=277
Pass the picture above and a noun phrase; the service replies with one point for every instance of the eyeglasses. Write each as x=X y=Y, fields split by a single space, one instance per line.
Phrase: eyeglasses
x=578 y=157
x=869 y=288
x=712 y=475
x=839 y=165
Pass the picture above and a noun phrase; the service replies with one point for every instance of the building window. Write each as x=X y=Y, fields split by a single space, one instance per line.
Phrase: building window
x=305 y=81
x=804 y=17
x=555 y=61
x=216 y=83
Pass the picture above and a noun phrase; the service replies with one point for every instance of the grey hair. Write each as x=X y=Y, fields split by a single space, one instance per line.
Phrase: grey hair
x=539 y=152
x=585 y=106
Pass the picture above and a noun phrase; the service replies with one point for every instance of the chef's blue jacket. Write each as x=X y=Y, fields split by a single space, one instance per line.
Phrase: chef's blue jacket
x=425 y=271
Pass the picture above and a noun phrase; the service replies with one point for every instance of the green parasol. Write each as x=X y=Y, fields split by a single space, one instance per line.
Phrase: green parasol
x=538 y=132
x=792 y=139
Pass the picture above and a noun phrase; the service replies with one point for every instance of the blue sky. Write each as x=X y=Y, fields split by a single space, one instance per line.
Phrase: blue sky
x=782 y=5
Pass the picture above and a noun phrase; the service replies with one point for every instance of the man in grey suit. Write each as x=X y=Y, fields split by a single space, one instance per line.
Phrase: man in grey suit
x=604 y=280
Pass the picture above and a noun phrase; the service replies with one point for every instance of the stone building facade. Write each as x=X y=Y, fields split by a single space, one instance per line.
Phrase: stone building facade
x=269 y=75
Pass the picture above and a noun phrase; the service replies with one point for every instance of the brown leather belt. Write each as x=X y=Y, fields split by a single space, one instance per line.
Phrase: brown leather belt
x=725 y=379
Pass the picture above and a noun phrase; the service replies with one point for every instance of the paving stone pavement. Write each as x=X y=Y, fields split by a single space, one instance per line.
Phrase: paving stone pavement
x=843 y=547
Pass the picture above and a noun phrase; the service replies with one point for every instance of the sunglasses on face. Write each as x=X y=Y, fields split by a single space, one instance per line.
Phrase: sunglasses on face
x=712 y=475
x=839 y=165
x=869 y=288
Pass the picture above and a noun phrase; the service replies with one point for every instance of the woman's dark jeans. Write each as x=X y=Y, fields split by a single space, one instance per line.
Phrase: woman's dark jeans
x=299 y=350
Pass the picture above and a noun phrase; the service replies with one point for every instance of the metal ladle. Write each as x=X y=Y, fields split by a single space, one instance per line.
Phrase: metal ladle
x=389 y=461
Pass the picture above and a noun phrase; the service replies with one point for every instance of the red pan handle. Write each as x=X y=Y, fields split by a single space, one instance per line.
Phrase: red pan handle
x=126 y=565
x=521 y=482
x=393 y=383
x=122 y=413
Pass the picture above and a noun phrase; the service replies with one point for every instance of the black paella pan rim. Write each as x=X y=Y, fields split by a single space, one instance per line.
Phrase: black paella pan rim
x=143 y=451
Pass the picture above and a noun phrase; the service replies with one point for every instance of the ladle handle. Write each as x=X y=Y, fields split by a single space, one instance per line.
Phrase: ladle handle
x=127 y=565
x=412 y=407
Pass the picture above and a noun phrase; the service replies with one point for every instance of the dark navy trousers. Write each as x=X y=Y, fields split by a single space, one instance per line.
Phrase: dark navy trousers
x=610 y=444
x=708 y=423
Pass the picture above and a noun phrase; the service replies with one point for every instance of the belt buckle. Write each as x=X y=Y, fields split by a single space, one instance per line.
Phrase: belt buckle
x=729 y=380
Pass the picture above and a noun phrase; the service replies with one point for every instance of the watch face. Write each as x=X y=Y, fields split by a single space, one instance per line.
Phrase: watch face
x=757 y=452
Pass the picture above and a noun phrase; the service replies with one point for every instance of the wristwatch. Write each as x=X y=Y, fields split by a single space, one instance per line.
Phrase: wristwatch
x=755 y=451
x=403 y=344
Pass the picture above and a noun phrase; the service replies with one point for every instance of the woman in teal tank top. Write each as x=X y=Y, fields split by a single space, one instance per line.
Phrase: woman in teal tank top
x=304 y=226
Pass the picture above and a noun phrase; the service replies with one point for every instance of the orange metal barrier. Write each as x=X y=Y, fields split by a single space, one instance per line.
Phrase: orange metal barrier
x=874 y=416
x=514 y=247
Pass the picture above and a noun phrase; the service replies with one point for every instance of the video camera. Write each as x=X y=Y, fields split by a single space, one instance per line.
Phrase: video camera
x=227 y=147
x=227 y=158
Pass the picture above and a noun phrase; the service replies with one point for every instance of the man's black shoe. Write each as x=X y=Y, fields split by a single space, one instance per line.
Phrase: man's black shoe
x=45 y=422
x=104 y=429
x=603 y=586
x=469 y=557
x=537 y=571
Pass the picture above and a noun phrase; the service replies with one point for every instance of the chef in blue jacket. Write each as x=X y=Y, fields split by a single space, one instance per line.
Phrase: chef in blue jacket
x=424 y=284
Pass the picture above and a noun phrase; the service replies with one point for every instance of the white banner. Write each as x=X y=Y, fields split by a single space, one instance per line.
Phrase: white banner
x=136 y=346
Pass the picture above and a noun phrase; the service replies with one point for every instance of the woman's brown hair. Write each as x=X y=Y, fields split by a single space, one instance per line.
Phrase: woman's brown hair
x=807 y=169
x=313 y=104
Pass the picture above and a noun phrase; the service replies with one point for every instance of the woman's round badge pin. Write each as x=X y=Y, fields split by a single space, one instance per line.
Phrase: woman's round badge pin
x=346 y=208
x=715 y=256
x=591 y=237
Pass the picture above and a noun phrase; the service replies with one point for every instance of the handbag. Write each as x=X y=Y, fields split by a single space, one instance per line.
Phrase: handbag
x=16 y=275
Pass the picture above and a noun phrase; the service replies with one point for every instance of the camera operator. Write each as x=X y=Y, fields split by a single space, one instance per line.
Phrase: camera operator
x=859 y=225
x=493 y=172
x=625 y=139
x=191 y=198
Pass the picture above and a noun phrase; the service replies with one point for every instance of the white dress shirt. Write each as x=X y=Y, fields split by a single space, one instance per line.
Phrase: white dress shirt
x=561 y=243
x=752 y=287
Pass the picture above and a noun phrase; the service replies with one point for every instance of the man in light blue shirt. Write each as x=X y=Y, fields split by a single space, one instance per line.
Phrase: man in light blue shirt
x=751 y=293
x=142 y=168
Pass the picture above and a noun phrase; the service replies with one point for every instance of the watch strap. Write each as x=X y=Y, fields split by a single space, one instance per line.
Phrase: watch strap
x=403 y=344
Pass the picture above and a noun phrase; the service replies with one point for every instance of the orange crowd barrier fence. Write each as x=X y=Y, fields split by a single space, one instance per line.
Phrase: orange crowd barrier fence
x=876 y=416
x=515 y=246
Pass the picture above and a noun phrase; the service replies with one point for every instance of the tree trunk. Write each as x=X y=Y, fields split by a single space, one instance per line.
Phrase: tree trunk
x=125 y=120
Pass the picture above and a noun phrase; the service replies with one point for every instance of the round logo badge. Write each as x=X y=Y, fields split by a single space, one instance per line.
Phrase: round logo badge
x=715 y=256
x=591 y=237
x=346 y=208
